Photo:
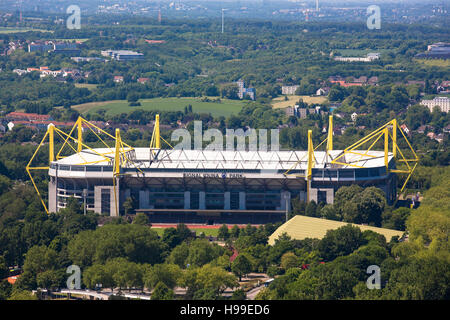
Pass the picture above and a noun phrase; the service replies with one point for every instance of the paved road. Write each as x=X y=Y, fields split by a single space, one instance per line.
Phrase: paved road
x=254 y=292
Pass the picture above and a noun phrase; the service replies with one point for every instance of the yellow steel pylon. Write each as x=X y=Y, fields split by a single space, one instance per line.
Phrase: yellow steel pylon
x=67 y=138
x=373 y=138
x=119 y=155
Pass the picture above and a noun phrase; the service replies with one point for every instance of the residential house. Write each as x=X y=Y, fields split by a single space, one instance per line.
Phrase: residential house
x=373 y=81
x=19 y=116
x=447 y=129
x=405 y=129
x=118 y=79
x=323 y=91
x=143 y=80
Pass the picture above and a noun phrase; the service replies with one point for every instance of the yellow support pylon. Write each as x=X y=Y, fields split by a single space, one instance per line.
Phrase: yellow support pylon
x=394 y=138
x=386 y=148
x=372 y=138
x=51 y=145
x=310 y=164
x=330 y=134
x=80 y=135
x=121 y=148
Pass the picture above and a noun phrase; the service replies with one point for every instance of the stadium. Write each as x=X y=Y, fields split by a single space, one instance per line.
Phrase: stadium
x=199 y=186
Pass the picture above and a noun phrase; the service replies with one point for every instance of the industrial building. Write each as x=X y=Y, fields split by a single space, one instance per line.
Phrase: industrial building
x=199 y=186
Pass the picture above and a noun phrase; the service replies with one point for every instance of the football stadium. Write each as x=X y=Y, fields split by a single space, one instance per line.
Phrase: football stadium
x=214 y=187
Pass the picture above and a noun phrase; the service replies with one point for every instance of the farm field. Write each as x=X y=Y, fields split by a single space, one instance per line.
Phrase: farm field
x=7 y=30
x=279 y=102
x=225 y=108
x=86 y=85
x=434 y=62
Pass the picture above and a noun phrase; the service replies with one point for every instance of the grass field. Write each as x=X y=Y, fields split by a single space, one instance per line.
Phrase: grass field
x=86 y=85
x=225 y=108
x=281 y=103
x=7 y=30
x=434 y=62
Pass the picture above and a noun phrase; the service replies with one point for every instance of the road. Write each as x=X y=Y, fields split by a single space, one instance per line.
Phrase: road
x=251 y=295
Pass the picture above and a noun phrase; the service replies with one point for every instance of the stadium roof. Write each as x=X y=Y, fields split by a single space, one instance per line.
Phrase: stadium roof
x=197 y=159
x=302 y=227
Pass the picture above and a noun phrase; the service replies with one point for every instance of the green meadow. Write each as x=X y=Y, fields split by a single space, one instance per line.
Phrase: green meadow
x=224 y=108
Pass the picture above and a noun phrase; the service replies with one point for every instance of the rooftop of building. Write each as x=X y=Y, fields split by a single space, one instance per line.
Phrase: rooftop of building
x=226 y=160
x=302 y=227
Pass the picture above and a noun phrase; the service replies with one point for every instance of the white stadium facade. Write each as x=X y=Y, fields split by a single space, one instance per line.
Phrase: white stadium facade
x=196 y=186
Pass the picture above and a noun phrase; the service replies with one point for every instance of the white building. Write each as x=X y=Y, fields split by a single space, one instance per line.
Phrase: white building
x=370 y=57
x=289 y=89
x=442 y=102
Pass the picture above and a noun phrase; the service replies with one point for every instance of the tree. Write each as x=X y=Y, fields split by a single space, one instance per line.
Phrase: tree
x=38 y=259
x=371 y=205
x=298 y=206
x=128 y=205
x=51 y=279
x=141 y=219
x=395 y=219
x=340 y=242
x=345 y=194
x=4 y=271
x=98 y=274
x=135 y=242
x=235 y=232
x=242 y=265
x=5 y=289
x=329 y=212
x=230 y=91
x=424 y=278
x=132 y=97
x=171 y=237
x=239 y=294
x=183 y=232
x=212 y=91
x=162 y=292
x=223 y=232
x=22 y=295
x=289 y=260
x=207 y=282
x=202 y=252
x=311 y=209
x=179 y=255
x=168 y=274
x=5 y=184
x=359 y=205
